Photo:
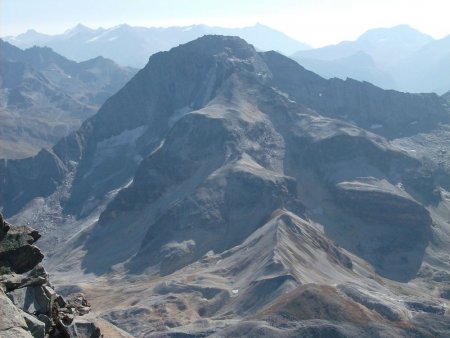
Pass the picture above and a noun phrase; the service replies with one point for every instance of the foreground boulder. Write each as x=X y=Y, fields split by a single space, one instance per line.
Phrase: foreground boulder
x=29 y=306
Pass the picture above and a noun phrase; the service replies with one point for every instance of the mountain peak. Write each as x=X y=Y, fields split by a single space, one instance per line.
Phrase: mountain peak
x=220 y=47
x=216 y=44
x=79 y=28
x=402 y=32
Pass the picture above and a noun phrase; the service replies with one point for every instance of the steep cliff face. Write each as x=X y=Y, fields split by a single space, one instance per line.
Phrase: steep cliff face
x=219 y=175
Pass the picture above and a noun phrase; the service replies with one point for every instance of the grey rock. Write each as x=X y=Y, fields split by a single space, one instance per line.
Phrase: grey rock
x=32 y=300
x=16 y=332
x=21 y=259
x=35 y=325
x=83 y=329
x=17 y=252
x=13 y=282
x=47 y=321
x=12 y=323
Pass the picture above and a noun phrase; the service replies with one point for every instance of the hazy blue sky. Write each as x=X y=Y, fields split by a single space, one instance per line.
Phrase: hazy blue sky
x=317 y=22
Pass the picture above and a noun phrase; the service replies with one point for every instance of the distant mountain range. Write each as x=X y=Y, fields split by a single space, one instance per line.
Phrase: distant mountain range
x=44 y=96
x=132 y=46
x=400 y=58
x=232 y=193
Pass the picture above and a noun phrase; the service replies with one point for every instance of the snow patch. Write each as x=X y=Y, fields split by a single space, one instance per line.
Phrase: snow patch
x=124 y=138
x=95 y=38
x=178 y=114
x=107 y=148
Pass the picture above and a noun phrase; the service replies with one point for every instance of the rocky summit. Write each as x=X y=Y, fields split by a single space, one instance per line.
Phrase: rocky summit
x=225 y=192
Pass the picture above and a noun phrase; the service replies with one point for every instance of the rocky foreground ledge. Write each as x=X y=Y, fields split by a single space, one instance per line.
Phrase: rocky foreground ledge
x=29 y=306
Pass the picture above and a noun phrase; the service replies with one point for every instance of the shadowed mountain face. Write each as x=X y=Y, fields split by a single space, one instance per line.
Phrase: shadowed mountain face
x=131 y=46
x=447 y=96
x=45 y=96
x=385 y=57
x=222 y=178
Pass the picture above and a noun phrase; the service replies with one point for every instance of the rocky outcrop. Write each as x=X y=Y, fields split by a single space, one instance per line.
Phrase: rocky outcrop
x=4 y=227
x=29 y=306
x=17 y=252
x=378 y=202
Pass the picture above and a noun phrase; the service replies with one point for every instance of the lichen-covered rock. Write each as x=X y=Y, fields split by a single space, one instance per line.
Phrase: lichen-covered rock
x=17 y=253
x=20 y=259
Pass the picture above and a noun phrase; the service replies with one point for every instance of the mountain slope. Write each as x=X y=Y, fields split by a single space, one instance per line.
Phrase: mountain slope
x=44 y=96
x=446 y=96
x=220 y=179
x=429 y=64
x=131 y=46
x=359 y=66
